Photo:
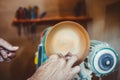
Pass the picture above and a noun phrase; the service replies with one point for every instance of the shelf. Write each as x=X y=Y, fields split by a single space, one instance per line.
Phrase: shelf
x=21 y=24
x=52 y=19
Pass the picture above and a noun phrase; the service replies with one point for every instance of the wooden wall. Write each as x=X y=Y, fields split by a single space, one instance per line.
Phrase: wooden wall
x=23 y=66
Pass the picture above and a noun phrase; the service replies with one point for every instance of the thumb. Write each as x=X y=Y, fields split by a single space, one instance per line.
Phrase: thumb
x=7 y=45
x=13 y=48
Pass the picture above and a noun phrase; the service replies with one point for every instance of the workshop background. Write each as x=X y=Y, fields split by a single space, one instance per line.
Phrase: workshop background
x=104 y=26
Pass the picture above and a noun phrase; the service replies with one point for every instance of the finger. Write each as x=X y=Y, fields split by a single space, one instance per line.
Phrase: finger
x=11 y=55
x=4 y=54
x=60 y=56
x=8 y=59
x=61 y=62
x=1 y=59
x=49 y=66
x=13 y=48
x=71 y=61
x=53 y=57
x=67 y=58
x=7 y=45
x=75 y=69
x=68 y=55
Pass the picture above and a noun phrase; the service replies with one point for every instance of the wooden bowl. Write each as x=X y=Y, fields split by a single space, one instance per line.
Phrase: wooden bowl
x=68 y=36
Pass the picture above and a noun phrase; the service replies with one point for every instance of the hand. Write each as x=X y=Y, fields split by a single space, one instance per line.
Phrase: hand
x=7 y=51
x=57 y=68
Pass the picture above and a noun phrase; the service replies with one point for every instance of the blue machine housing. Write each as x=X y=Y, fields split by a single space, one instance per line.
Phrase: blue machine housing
x=102 y=59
